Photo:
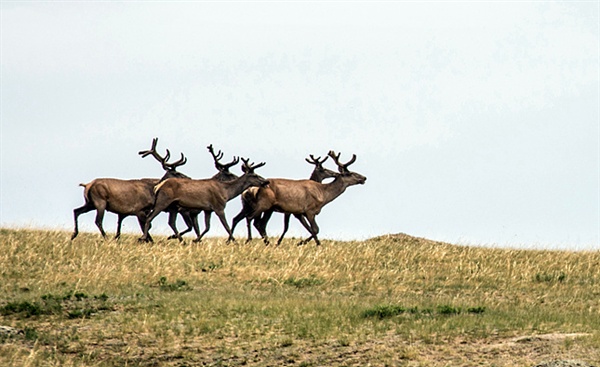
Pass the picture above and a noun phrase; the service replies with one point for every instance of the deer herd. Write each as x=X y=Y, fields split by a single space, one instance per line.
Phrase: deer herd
x=178 y=194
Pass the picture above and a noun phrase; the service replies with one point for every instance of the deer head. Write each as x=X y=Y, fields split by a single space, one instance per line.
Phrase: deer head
x=319 y=173
x=248 y=169
x=355 y=178
x=223 y=168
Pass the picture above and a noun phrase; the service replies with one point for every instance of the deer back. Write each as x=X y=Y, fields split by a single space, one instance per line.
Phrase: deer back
x=206 y=194
x=121 y=196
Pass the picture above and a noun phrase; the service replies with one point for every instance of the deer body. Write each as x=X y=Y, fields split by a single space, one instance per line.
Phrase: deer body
x=223 y=175
x=122 y=197
x=290 y=196
x=125 y=197
x=208 y=195
x=257 y=200
x=303 y=198
x=192 y=194
x=116 y=195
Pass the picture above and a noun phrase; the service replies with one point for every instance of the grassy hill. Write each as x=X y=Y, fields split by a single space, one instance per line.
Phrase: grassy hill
x=393 y=300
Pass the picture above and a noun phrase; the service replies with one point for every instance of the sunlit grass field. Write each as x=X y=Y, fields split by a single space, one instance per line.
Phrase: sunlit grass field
x=393 y=300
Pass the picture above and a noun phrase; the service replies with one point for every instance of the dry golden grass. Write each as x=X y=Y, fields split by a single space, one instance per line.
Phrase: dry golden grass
x=393 y=300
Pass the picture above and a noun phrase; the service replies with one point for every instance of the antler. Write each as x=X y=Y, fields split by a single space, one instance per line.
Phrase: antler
x=217 y=157
x=316 y=161
x=152 y=151
x=342 y=167
x=174 y=165
x=250 y=167
x=163 y=160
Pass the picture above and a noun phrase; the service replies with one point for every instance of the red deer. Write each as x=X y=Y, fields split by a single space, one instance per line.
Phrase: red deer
x=125 y=197
x=305 y=198
x=208 y=195
x=250 y=199
x=191 y=219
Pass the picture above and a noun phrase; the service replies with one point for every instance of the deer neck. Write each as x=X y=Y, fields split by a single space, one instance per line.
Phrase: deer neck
x=316 y=176
x=235 y=187
x=334 y=189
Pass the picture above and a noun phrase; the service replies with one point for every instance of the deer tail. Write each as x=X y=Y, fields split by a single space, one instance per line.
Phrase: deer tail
x=86 y=190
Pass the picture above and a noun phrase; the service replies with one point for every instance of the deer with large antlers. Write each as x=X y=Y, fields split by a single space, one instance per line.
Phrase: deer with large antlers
x=191 y=217
x=259 y=196
x=208 y=195
x=125 y=197
x=305 y=198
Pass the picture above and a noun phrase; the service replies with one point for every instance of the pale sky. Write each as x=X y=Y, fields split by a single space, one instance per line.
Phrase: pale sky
x=475 y=123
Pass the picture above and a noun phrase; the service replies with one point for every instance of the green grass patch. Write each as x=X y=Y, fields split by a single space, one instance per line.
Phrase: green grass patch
x=29 y=309
x=177 y=285
x=303 y=282
x=388 y=311
x=383 y=311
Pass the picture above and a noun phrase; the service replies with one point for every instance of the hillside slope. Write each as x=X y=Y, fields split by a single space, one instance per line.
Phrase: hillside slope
x=390 y=300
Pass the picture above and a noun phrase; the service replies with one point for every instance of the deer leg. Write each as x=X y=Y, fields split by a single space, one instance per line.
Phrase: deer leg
x=159 y=205
x=249 y=227
x=173 y=227
x=142 y=220
x=263 y=221
x=146 y=235
x=313 y=228
x=255 y=219
x=188 y=219
x=99 y=218
x=87 y=207
x=241 y=215
x=302 y=219
x=286 y=225
x=173 y=224
x=119 y=223
x=260 y=223
x=207 y=214
x=221 y=215
x=194 y=218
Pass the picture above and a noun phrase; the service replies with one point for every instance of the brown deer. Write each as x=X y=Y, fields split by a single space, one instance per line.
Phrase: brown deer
x=250 y=199
x=191 y=217
x=208 y=195
x=125 y=197
x=305 y=198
